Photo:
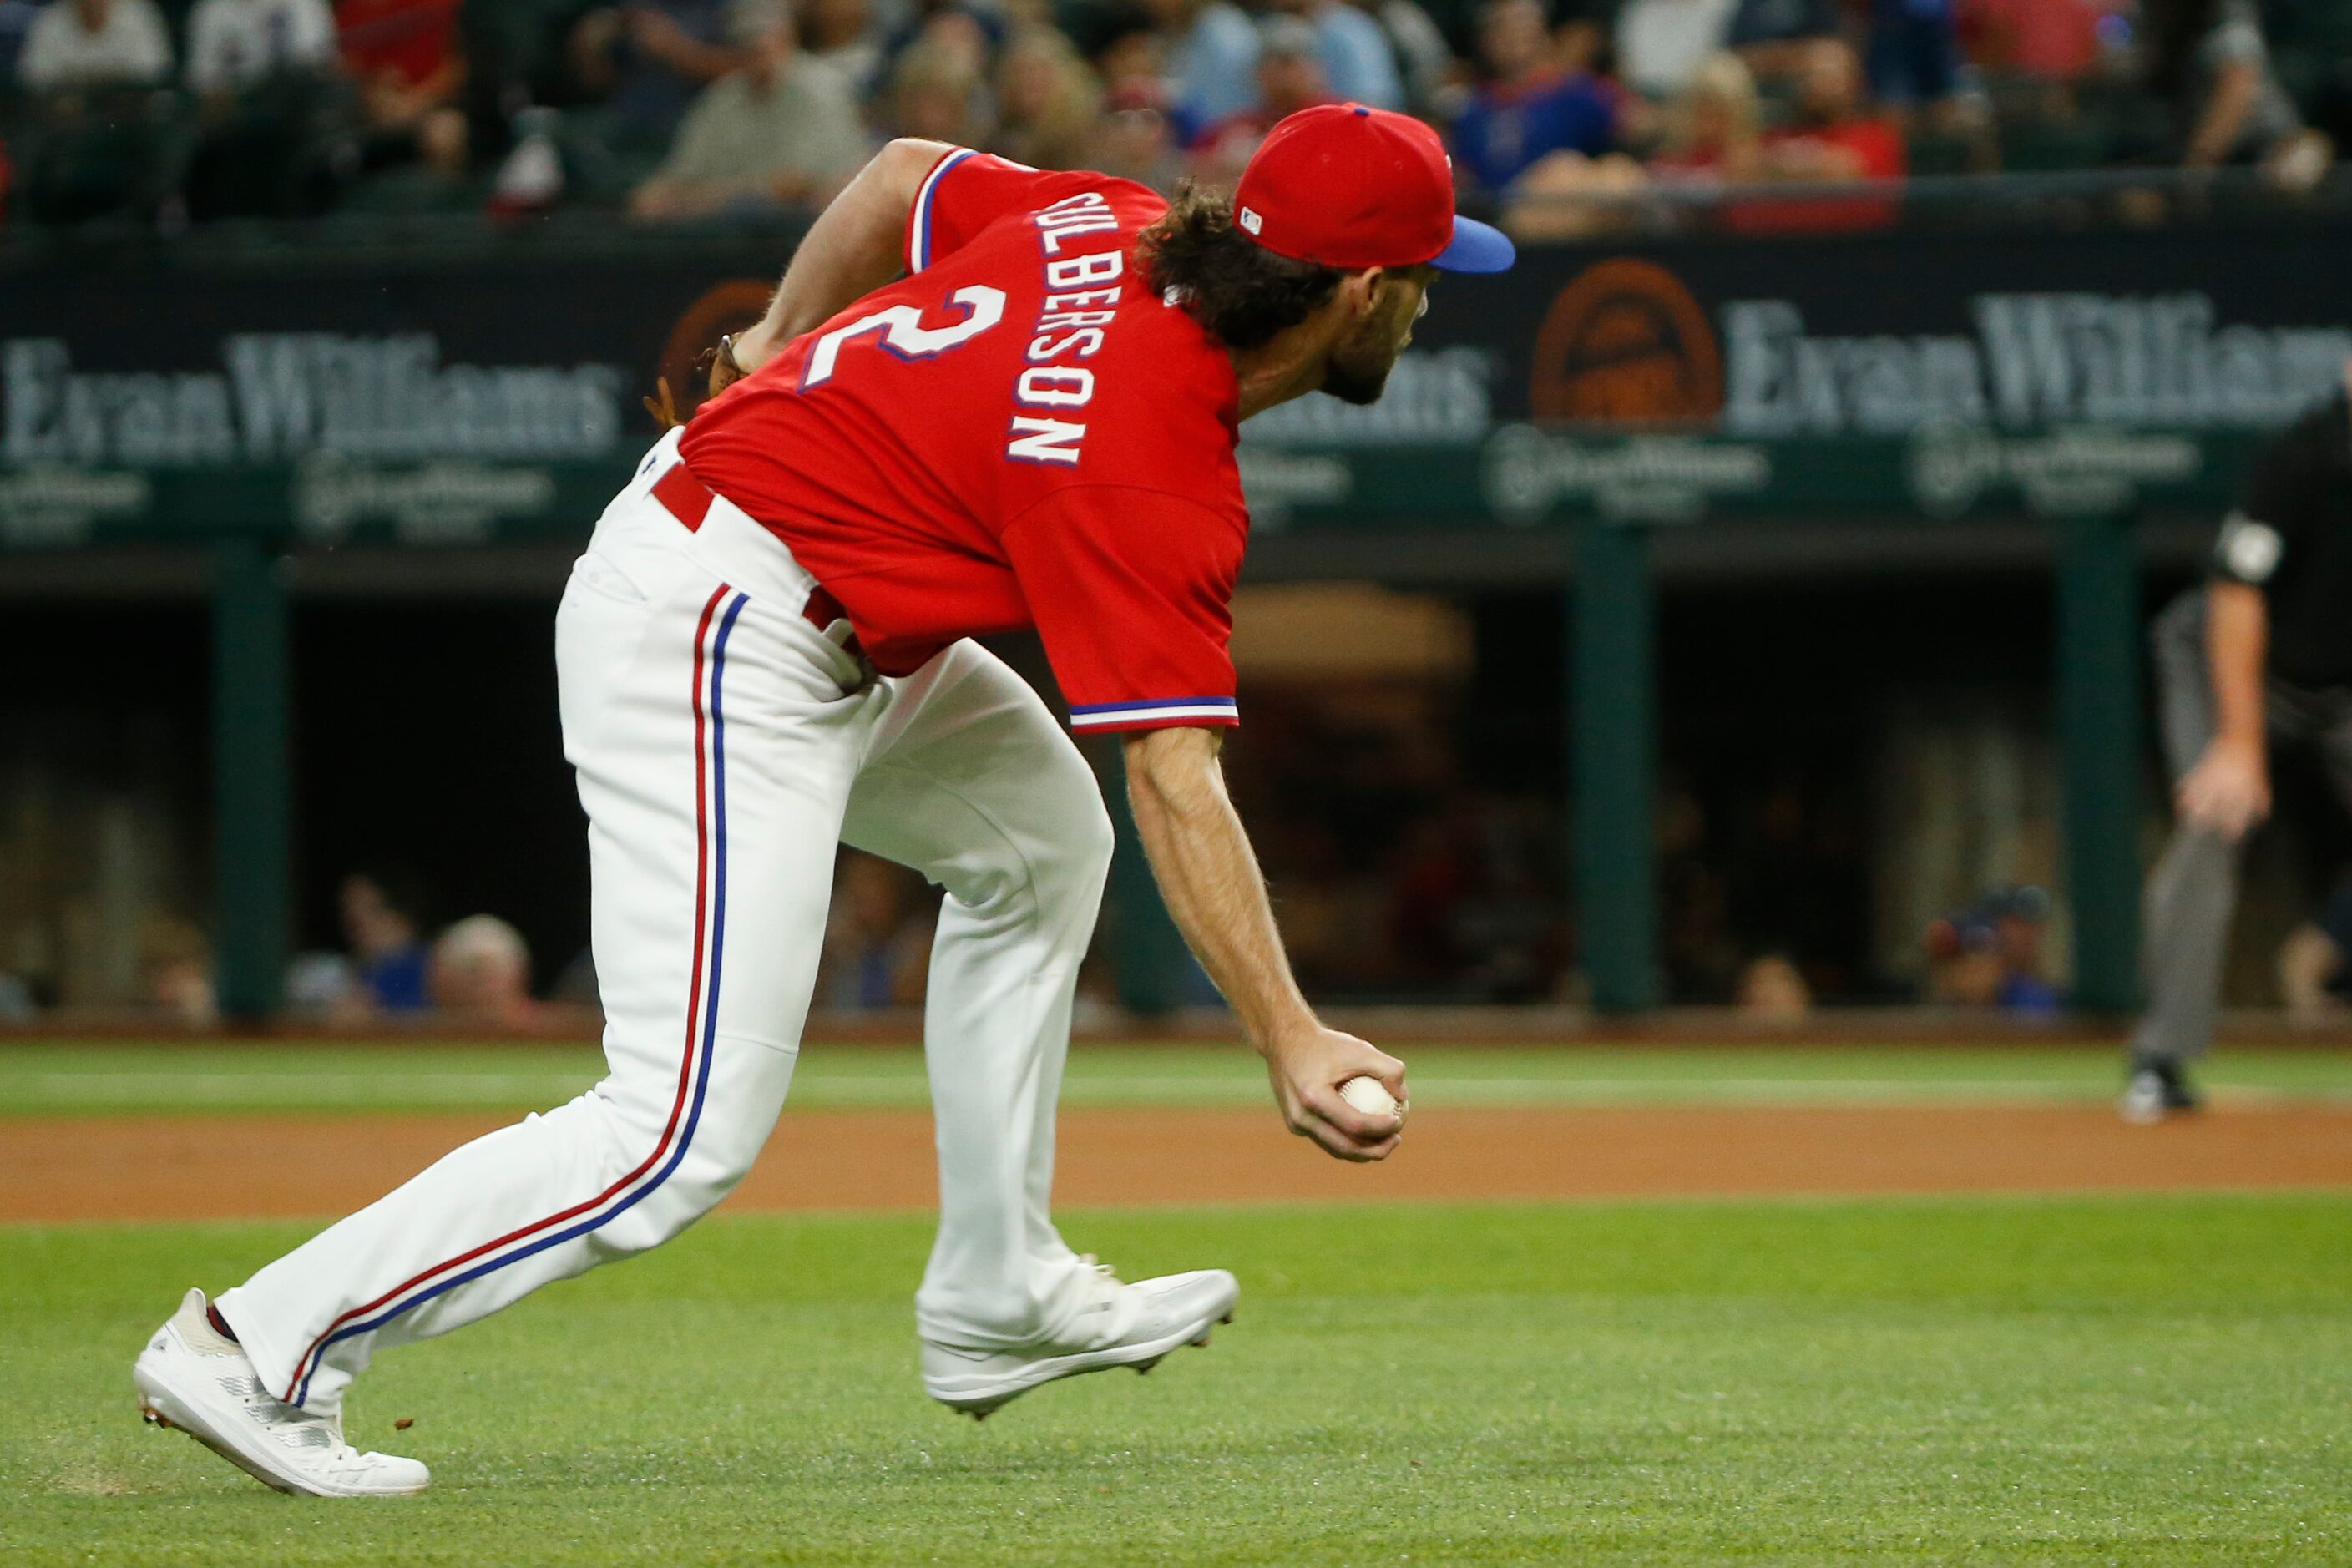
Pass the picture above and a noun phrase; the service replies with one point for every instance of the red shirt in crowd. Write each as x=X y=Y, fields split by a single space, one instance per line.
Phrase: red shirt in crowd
x=1019 y=433
x=2054 y=39
x=414 y=40
x=1871 y=149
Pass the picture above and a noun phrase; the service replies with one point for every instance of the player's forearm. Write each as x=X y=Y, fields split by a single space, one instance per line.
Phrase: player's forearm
x=2237 y=648
x=852 y=249
x=1210 y=878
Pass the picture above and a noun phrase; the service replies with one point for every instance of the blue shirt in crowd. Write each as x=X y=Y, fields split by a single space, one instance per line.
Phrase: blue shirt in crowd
x=1506 y=129
x=396 y=981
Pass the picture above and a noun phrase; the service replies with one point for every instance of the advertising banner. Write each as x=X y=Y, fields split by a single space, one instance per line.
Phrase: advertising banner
x=1921 y=375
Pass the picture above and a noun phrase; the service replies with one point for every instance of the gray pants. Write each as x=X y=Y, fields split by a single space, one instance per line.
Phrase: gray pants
x=2194 y=890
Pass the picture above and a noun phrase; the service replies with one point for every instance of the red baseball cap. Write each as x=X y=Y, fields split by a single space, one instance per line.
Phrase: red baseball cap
x=1344 y=186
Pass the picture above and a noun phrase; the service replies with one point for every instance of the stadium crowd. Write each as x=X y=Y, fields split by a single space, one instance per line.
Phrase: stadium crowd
x=179 y=110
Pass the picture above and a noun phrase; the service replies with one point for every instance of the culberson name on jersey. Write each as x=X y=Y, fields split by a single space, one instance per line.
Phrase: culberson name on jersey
x=1082 y=294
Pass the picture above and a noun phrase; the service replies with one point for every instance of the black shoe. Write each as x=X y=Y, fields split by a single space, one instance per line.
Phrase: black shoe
x=2156 y=1089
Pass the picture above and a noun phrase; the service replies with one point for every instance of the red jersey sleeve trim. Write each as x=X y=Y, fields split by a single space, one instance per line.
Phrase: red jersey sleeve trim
x=919 y=217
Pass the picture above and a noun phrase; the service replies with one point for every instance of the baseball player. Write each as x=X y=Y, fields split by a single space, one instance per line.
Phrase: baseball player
x=2262 y=653
x=767 y=649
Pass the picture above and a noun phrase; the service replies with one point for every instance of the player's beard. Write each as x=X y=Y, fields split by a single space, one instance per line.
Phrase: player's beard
x=1358 y=371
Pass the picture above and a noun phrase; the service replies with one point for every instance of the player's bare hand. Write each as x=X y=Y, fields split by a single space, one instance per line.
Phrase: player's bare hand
x=1308 y=1067
x=2229 y=790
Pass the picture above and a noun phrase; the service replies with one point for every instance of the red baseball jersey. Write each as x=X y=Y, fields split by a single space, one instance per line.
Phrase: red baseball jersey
x=1018 y=433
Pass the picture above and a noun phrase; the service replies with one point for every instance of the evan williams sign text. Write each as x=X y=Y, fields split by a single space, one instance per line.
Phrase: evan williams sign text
x=2036 y=361
x=282 y=394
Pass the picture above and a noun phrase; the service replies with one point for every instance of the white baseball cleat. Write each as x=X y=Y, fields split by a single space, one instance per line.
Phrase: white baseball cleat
x=192 y=1377
x=1123 y=1325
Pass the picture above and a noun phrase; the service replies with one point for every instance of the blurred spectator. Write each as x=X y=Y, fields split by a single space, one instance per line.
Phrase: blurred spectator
x=1715 y=132
x=1526 y=107
x=967 y=32
x=1469 y=909
x=782 y=131
x=15 y=1000
x=2045 y=40
x=1210 y=53
x=1831 y=138
x=1289 y=77
x=1357 y=62
x=1419 y=51
x=1580 y=35
x=17 y=20
x=275 y=123
x=1914 y=58
x=402 y=57
x=1132 y=65
x=1770 y=36
x=176 y=963
x=1049 y=106
x=1138 y=139
x=1772 y=990
x=1989 y=955
x=480 y=973
x=1702 y=958
x=842 y=33
x=234 y=45
x=877 y=944
x=2212 y=59
x=646 y=60
x=381 y=922
x=934 y=94
x=95 y=43
x=1661 y=44
x=2314 y=963
x=323 y=983
x=1565 y=195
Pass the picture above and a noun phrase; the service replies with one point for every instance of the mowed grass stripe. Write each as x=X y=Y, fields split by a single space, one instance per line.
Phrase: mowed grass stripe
x=96 y=1079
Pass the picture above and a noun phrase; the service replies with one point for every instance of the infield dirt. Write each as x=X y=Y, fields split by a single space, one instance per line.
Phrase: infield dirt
x=270 y=1165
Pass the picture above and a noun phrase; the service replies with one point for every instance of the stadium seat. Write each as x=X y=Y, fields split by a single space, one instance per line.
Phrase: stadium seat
x=87 y=155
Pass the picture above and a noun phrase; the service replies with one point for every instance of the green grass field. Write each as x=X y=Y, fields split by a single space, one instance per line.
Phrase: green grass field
x=2005 y=1382
x=1997 y=1381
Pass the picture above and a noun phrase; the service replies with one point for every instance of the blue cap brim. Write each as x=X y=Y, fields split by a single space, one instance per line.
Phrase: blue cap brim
x=1476 y=248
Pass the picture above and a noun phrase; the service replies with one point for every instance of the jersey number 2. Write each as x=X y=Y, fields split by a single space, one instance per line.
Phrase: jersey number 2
x=901 y=329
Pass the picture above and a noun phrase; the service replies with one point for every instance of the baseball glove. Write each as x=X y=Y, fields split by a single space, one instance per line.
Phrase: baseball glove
x=719 y=365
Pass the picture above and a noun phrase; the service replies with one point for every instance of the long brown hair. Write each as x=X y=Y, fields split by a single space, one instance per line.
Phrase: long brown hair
x=1241 y=291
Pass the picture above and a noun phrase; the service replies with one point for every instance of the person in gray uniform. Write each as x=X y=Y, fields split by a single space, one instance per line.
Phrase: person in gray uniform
x=2262 y=653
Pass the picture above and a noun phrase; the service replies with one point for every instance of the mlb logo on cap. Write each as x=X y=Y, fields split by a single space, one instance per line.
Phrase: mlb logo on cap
x=1344 y=186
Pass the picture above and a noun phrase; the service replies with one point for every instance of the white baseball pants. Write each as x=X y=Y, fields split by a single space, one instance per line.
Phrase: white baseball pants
x=723 y=746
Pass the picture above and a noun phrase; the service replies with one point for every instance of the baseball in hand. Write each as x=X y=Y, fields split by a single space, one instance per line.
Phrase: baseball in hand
x=1369 y=1096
